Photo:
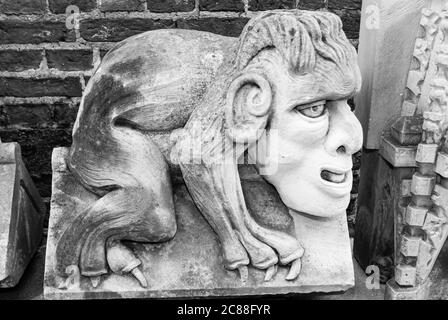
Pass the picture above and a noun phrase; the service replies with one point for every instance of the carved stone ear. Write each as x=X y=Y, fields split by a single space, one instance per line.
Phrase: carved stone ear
x=248 y=103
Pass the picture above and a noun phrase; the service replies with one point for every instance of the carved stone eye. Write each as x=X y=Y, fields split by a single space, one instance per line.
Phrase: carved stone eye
x=314 y=111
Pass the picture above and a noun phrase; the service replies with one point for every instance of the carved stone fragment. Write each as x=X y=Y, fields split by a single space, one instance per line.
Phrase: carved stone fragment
x=422 y=185
x=405 y=275
x=223 y=100
x=21 y=216
x=415 y=216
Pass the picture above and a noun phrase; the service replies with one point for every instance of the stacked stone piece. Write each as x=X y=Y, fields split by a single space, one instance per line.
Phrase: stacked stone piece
x=422 y=231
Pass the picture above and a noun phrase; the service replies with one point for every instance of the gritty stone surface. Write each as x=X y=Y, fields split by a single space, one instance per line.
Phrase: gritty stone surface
x=190 y=264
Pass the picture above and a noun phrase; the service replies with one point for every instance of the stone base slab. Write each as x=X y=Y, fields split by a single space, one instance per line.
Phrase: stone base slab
x=190 y=265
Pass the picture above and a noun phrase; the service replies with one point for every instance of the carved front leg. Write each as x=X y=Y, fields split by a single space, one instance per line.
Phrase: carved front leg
x=217 y=191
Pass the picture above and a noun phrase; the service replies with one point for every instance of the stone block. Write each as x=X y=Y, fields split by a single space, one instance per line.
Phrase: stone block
x=14 y=31
x=405 y=275
x=406 y=187
x=41 y=87
x=415 y=216
x=407 y=130
x=21 y=216
x=442 y=164
x=395 y=292
x=15 y=60
x=440 y=197
x=422 y=185
x=426 y=153
x=190 y=264
x=410 y=246
x=396 y=154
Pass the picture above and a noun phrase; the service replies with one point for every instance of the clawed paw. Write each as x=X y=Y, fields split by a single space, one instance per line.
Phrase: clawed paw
x=294 y=262
x=293 y=273
x=270 y=273
x=294 y=270
x=122 y=260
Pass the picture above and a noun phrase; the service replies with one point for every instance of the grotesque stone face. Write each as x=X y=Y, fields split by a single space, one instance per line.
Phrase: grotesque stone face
x=311 y=136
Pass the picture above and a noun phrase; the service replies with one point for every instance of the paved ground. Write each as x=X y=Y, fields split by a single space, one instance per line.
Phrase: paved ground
x=31 y=285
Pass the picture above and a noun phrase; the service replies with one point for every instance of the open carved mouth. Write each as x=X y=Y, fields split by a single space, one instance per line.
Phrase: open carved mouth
x=334 y=177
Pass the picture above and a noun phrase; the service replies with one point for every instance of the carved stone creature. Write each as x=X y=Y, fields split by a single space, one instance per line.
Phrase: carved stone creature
x=278 y=93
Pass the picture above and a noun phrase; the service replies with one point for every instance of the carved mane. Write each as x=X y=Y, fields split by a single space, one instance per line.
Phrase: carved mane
x=220 y=132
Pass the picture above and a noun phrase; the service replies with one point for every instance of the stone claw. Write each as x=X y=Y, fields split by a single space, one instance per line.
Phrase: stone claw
x=270 y=273
x=122 y=260
x=244 y=273
x=140 y=277
x=294 y=270
x=95 y=281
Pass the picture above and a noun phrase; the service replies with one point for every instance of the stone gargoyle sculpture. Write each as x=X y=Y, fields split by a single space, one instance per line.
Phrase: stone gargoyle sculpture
x=282 y=86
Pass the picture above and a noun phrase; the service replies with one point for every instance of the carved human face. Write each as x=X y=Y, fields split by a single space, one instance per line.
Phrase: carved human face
x=311 y=136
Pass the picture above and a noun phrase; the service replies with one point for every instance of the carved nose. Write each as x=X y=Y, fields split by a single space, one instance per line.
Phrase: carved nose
x=345 y=132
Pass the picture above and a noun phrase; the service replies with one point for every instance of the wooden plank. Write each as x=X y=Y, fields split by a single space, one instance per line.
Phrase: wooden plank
x=385 y=51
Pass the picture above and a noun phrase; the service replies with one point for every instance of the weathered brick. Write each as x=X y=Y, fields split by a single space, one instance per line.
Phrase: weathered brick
x=103 y=53
x=86 y=79
x=344 y=4
x=60 y=6
x=64 y=115
x=122 y=5
x=22 y=6
x=312 y=4
x=3 y=118
x=37 y=146
x=25 y=87
x=225 y=26
x=260 y=5
x=119 y=29
x=69 y=60
x=170 y=5
x=16 y=31
x=221 y=5
x=351 y=20
x=43 y=115
x=28 y=115
x=14 y=60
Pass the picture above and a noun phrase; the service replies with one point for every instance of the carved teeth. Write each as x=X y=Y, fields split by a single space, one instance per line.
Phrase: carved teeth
x=333 y=176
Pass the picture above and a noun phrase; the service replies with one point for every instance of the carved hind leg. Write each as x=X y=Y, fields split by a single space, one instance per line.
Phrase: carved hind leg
x=139 y=208
x=123 y=214
x=130 y=214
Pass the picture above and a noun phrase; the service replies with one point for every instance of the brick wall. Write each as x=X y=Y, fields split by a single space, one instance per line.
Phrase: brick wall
x=44 y=66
